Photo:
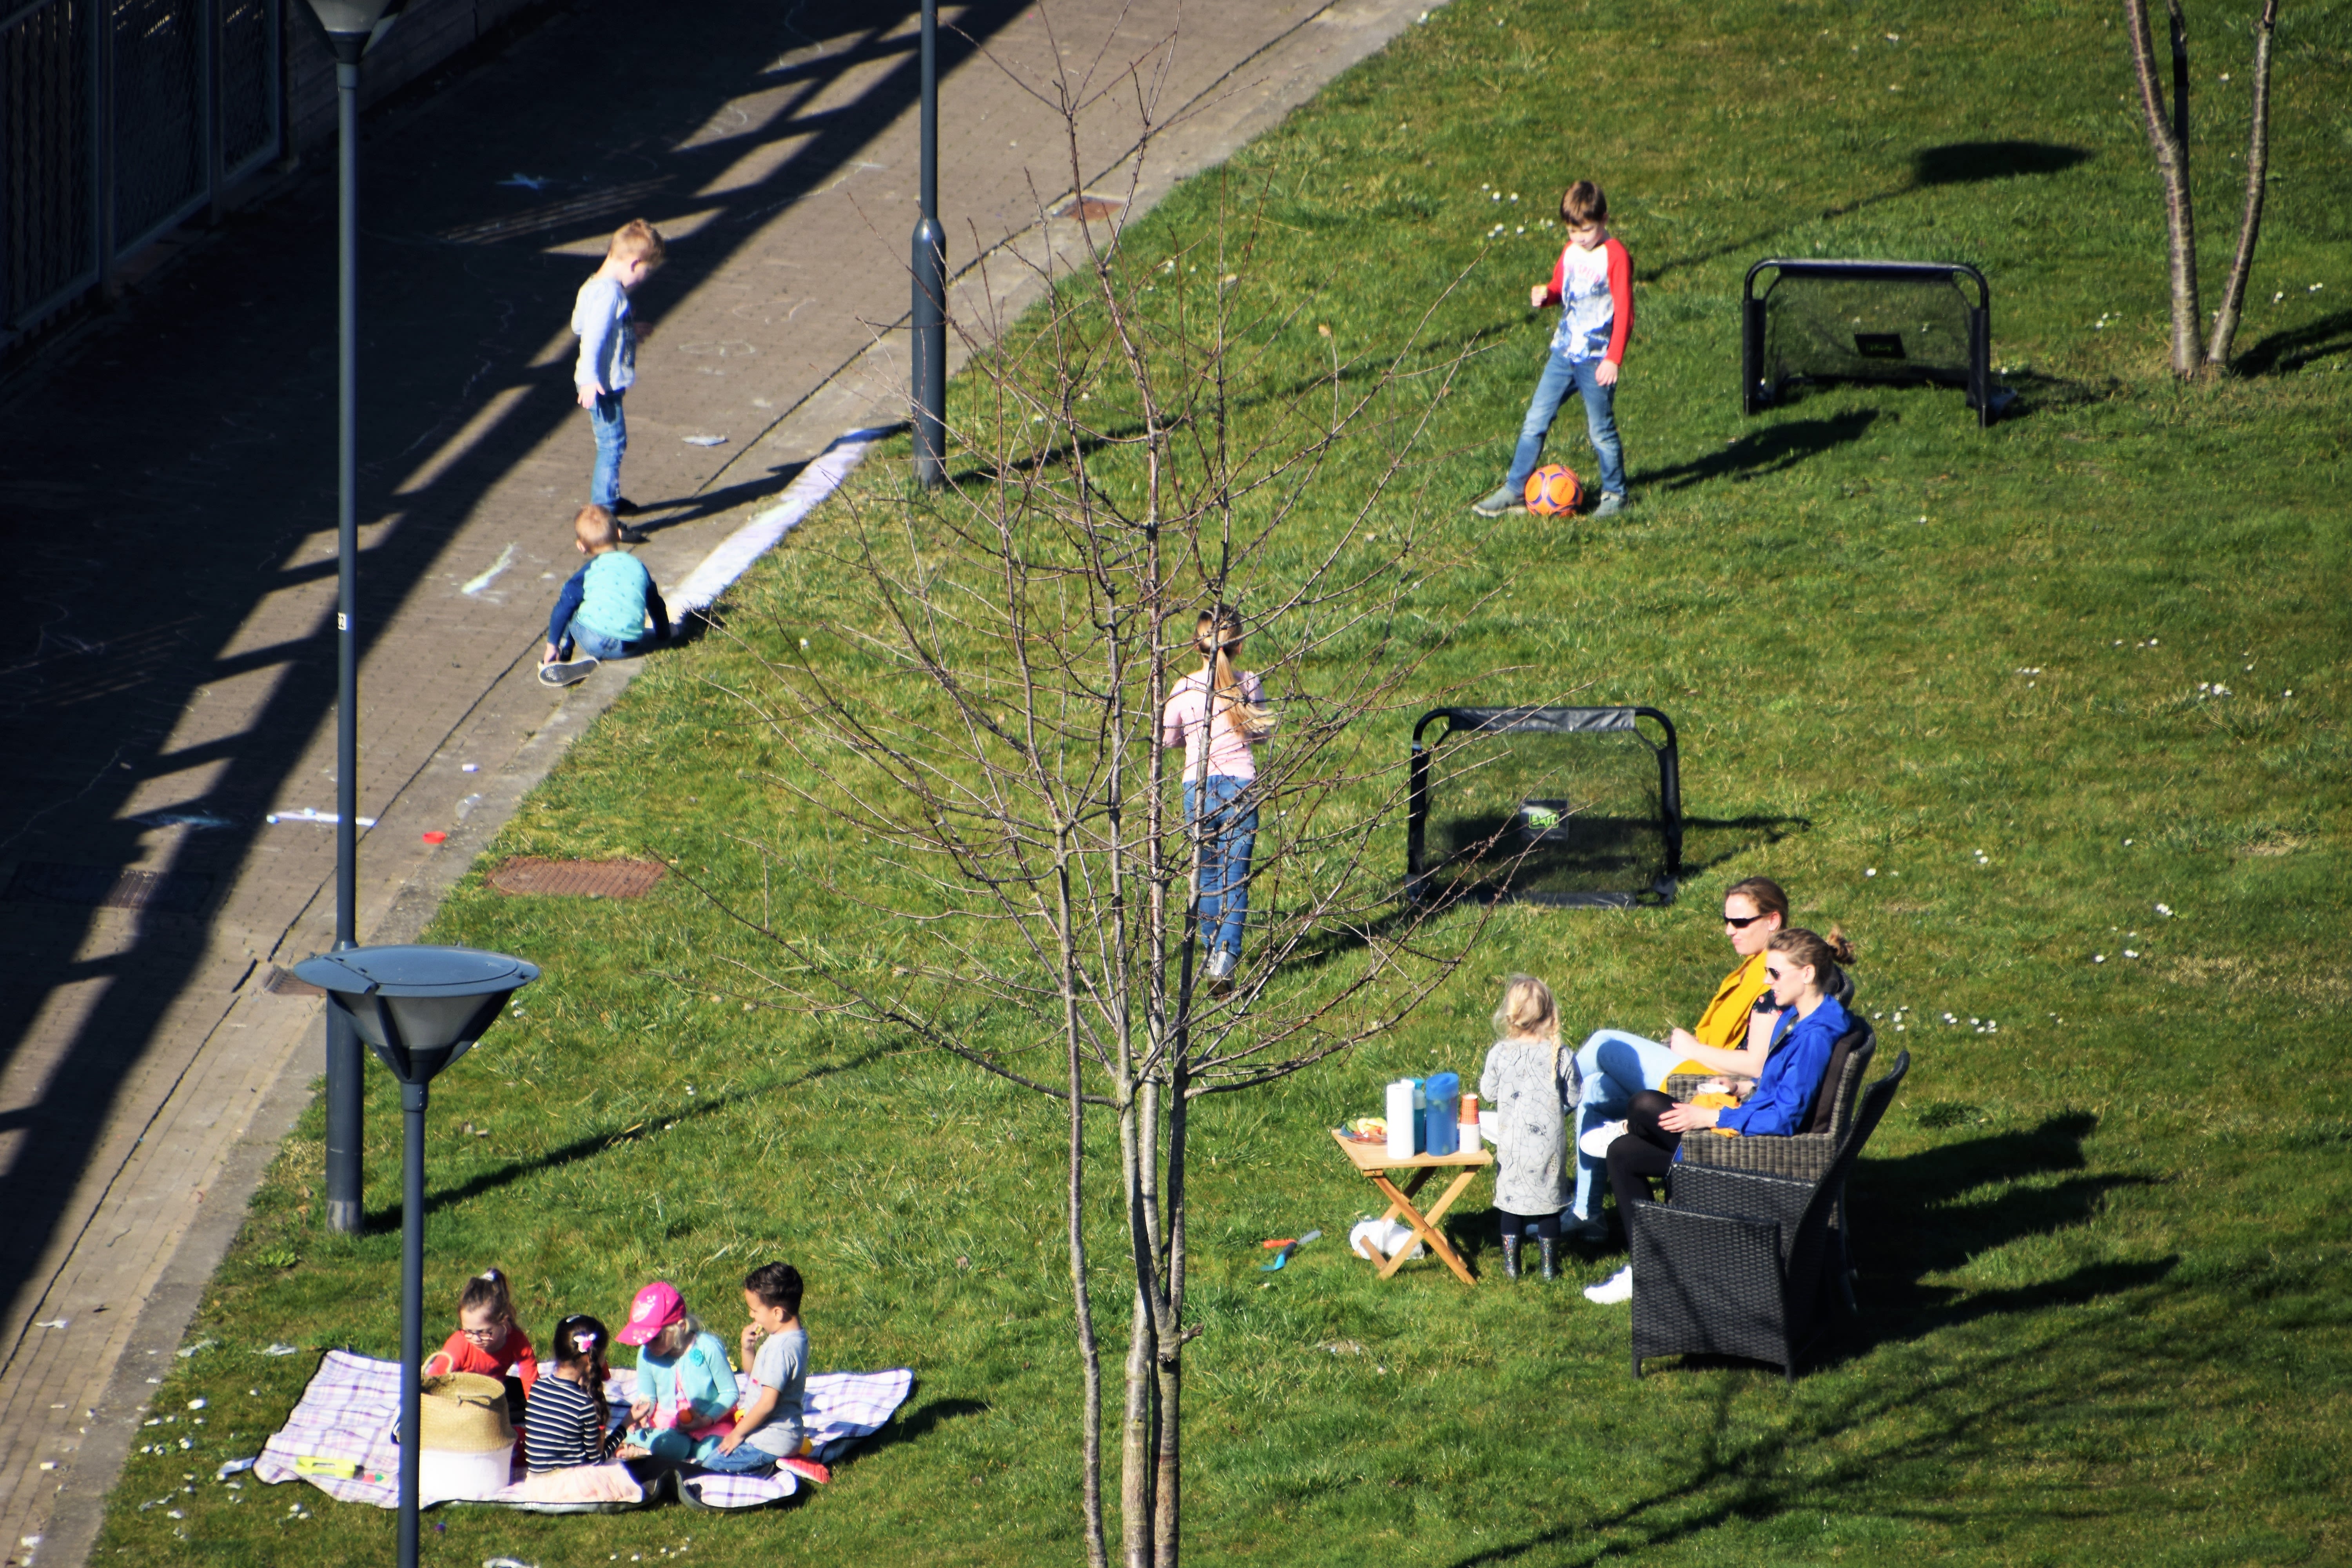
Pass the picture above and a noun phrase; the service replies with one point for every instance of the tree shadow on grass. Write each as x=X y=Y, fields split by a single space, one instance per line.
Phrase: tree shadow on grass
x=596 y=1143
x=2298 y=346
x=1855 y=1437
x=1950 y=164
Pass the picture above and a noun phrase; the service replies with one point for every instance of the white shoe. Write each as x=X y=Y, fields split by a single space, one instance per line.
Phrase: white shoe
x=1596 y=1140
x=1614 y=1292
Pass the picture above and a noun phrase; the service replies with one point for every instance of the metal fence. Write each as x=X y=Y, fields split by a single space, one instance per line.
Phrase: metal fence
x=118 y=120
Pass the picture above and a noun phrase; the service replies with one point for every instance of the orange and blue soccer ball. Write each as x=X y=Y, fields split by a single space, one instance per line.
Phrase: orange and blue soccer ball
x=1554 y=491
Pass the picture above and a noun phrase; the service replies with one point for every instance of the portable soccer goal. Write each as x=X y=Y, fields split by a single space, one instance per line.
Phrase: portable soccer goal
x=1576 y=806
x=1885 y=321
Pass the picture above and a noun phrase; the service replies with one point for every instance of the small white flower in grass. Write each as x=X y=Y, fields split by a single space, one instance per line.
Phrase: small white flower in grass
x=2099 y=958
x=2165 y=910
x=1495 y=197
x=2316 y=288
x=1873 y=871
x=2126 y=842
x=1523 y=228
x=804 y=642
x=2278 y=297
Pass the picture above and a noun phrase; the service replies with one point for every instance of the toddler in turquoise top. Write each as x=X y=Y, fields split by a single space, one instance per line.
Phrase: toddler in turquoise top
x=685 y=1400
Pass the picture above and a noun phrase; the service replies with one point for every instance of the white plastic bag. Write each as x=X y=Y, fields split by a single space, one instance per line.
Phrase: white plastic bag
x=1385 y=1235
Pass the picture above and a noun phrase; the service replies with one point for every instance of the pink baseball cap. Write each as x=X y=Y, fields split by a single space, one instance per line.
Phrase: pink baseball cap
x=657 y=1306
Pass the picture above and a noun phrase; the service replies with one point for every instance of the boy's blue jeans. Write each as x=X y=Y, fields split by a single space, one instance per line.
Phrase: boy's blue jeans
x=1561 y=377
x=1615 y=1066
x=1228 y=839
x=612 y=427
x=745 y=1460
x=593 y=644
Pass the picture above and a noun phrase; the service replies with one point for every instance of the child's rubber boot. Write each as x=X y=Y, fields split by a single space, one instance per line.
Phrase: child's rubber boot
x=1505 y=499
x=1551 y=1245
x=1510 y=1258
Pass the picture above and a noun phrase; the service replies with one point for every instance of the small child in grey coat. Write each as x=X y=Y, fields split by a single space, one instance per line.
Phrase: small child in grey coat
x=1530 y=1080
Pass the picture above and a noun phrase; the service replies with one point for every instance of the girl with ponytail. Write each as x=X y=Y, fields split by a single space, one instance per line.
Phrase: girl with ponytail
x=1217 y=714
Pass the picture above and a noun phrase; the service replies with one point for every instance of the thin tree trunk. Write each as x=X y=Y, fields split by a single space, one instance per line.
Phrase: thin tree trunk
x=2258 y=165
x=1168 y=1518
x=1089 y=1352
x=1137 y=1435
x=2166 y=136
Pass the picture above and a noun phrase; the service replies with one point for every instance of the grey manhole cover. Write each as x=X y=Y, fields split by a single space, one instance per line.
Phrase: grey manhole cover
x=109 y=888
x=578 y=879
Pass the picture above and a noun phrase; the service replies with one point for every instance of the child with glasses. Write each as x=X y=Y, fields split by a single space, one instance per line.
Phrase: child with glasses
x=490 y=1341
x=1615 y=1065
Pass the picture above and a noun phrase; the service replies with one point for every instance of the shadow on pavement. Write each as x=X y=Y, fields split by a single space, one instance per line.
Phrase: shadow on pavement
x=155 y=493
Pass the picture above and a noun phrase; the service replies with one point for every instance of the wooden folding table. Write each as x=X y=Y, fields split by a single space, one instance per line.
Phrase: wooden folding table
x=1372 y=1159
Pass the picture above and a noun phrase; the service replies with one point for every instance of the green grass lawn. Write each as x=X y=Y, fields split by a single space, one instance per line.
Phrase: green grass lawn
x=1950 y=686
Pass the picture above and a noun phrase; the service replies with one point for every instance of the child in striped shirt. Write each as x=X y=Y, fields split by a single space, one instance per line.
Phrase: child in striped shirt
x=570 y=1421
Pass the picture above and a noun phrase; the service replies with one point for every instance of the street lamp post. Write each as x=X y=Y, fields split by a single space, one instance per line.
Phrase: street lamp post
x=419 y=1009
x=350 y=26
x=930 y=267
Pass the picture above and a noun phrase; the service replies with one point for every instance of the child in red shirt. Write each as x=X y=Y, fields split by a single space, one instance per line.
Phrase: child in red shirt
x=1592 y=284
x=490 y=1341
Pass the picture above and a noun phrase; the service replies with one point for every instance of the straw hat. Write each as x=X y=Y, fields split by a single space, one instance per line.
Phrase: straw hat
x=464 y=1413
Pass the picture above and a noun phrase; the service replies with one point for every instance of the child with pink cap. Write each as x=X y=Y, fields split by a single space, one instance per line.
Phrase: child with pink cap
x=685 y=1402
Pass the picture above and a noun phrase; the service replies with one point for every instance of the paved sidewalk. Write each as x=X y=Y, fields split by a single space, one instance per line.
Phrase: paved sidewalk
x=169 y=500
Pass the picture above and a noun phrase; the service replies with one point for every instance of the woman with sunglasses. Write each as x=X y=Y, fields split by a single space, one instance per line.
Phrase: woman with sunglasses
x=1803 y=969
x=1615 y=1066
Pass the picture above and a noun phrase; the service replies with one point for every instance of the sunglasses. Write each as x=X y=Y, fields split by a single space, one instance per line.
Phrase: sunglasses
x=1771 y=973
x=1741 y=922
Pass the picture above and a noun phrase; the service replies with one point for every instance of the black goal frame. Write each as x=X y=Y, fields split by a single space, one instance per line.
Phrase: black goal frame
x=1552 y=721
x=1755 y=393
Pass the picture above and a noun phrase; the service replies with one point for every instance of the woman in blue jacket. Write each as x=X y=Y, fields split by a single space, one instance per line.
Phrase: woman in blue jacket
x=1801 y=967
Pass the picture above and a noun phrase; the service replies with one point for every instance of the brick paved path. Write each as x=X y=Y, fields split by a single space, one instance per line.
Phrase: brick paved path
x=168 y=503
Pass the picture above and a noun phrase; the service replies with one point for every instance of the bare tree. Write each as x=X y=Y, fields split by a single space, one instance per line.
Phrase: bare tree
x=980 y=706
x=2167 y=135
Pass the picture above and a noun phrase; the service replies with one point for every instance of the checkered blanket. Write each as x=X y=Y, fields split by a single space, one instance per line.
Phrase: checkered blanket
x=347 y=1414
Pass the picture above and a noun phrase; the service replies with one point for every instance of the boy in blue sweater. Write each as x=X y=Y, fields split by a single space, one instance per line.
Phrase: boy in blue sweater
x=607 y=366
x=601 y=612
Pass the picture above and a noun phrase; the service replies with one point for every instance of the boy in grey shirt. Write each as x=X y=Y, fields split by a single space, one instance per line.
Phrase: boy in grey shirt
x=775 y=1347
x=607 y=366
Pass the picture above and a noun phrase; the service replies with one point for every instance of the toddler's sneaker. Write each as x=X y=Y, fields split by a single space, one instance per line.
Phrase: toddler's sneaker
x=567 y=671
x=1614 y=1292
x=1612 y=503
x=1503 y=500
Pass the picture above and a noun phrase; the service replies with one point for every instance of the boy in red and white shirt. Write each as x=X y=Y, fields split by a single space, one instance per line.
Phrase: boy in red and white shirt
x=1593 y=286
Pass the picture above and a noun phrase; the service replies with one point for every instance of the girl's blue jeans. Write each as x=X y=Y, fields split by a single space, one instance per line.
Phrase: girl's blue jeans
x=1562 y=376
x=1615 y=1067
x=612 y=427
x=1228 y=839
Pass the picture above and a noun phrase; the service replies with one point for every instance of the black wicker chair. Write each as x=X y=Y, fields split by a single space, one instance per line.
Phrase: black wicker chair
x=1739 y=1262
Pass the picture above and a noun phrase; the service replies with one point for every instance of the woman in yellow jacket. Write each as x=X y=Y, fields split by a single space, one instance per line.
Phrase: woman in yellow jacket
x=1615 y=1066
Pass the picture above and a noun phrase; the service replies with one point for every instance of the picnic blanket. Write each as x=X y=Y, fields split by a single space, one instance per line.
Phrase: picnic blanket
x=347 y=1413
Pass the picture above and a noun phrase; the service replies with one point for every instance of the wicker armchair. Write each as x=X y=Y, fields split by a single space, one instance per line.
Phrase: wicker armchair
x=1739 y=1263
x=1799 y=1156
